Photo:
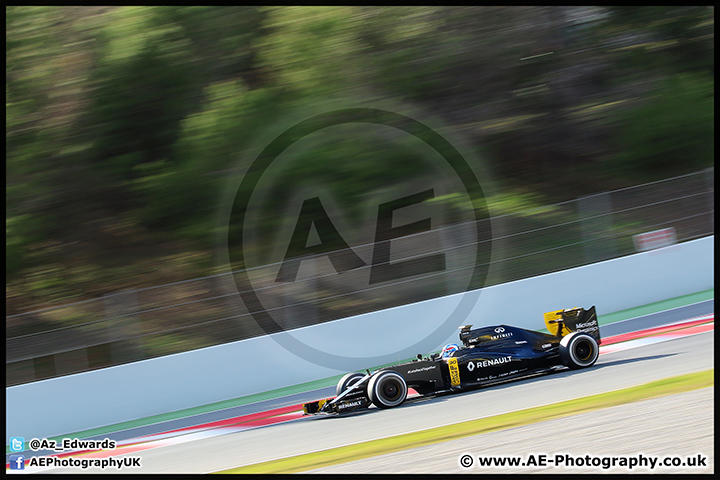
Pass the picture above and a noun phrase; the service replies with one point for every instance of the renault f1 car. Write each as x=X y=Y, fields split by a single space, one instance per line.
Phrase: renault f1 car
x=488 y=355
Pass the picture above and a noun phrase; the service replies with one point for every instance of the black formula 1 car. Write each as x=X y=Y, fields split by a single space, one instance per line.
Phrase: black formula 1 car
x=488 y=355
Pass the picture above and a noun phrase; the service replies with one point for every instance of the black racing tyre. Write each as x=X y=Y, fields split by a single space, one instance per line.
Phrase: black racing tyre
x=387 y=389
x=346 y=381
x=579 y=350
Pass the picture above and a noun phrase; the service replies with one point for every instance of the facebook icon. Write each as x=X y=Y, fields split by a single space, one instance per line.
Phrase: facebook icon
x=17 y=462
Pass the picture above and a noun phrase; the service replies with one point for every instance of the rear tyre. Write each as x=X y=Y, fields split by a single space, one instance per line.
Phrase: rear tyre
x=347 y=381
x=579 y=350
x=387 y=389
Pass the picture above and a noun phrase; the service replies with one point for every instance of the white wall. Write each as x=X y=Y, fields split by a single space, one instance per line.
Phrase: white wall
x=87 y=400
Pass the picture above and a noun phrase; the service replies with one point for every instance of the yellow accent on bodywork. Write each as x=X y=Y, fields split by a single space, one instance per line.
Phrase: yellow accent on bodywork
x=454 y=371
x=553 y=327
x=319 y=402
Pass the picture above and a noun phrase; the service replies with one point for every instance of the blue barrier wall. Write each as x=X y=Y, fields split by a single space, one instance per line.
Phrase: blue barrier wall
x=127 y=392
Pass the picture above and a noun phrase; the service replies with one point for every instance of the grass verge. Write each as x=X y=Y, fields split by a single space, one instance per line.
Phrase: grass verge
x=445 y=433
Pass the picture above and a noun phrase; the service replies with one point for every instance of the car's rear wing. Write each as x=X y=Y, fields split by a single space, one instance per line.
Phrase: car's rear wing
x=562 y=322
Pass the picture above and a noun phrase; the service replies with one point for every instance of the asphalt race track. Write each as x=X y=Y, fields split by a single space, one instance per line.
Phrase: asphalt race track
x=613 y=371
x=677 y=425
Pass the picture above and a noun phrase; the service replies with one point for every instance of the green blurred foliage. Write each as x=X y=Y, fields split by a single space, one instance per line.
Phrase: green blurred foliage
x=311 y=51
x=123 y=124
x=678 y=39
x=671 y=132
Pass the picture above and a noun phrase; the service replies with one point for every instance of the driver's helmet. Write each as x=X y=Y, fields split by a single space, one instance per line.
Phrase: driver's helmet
x=449 y=349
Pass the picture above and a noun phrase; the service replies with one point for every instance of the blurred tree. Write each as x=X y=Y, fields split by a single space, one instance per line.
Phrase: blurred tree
x=671 y=131
x=128 y=119
x=143 y=87
x=665 y=39
x=312 y=51
x=222 y=40
x=160 y=66
x=46 y=65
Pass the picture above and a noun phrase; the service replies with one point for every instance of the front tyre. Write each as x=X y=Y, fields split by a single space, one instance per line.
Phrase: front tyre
x=387 y=389
x=347 y=381
x=579 y=350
